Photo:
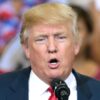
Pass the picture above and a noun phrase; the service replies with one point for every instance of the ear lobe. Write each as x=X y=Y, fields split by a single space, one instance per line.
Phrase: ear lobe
x=26 y=51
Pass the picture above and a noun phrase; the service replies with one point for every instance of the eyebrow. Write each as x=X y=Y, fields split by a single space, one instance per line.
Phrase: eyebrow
x=60 y=33
x=40 y=36
x=55 y=34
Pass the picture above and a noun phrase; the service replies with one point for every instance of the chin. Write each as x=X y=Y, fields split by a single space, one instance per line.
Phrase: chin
x=55 y=75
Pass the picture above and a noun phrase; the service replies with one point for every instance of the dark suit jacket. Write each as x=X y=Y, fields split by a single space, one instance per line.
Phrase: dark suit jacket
x=14 y=86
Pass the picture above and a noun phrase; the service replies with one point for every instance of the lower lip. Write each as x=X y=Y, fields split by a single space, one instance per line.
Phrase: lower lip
x=53 y=66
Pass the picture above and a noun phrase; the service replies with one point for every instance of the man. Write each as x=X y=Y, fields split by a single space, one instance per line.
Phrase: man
x=50 y=40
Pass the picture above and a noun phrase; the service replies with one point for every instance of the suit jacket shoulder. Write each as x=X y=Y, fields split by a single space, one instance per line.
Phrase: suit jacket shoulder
x=8 y=78
x=87 y=87
x=14 y=85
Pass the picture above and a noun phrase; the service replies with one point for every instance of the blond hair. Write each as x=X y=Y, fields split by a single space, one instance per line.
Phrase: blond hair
x=49 y=13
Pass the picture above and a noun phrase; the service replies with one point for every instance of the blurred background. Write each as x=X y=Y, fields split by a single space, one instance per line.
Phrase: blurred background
x=12 y=57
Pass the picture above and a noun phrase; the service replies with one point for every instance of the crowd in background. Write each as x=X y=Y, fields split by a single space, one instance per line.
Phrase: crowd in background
x=11 y=54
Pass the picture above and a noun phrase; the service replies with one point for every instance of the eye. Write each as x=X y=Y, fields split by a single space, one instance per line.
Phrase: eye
x=61 y=37
x=40 y=40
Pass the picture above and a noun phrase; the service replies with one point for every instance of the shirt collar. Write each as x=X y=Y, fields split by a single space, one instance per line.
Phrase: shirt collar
x=71 y=81
x=40 y=87
x=37 y=84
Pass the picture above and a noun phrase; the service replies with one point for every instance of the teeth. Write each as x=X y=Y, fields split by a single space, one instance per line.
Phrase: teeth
x=54 y=63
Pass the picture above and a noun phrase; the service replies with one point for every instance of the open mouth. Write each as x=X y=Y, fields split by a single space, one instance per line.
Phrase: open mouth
x=53 y=63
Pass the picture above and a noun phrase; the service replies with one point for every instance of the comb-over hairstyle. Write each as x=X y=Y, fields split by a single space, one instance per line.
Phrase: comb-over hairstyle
x=47 y=13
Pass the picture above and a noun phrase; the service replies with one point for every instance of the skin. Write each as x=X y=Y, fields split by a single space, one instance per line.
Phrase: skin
x=46 y=42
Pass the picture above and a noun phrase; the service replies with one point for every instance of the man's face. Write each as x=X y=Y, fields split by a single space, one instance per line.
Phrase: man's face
x=51 y=50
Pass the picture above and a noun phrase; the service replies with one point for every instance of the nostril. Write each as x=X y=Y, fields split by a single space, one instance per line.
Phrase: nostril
x=52 y=51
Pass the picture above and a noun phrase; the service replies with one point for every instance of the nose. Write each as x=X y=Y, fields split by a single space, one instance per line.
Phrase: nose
x=52 y=46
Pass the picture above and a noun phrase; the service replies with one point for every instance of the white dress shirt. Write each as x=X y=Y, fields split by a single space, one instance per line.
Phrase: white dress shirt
x=38 y=88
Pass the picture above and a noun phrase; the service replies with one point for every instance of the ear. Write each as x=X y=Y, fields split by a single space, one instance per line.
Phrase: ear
x=77 y=48
x=26 y=50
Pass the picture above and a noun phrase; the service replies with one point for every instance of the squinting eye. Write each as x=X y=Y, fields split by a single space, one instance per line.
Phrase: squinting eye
x=62 y=37
x=40 y=40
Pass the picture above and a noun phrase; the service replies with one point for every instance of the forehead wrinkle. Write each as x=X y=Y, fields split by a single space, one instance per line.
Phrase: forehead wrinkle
x=49 y=34
x=45 y=29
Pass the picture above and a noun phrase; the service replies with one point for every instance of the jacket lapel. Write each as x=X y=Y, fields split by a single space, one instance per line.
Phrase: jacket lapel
x=83 y=91
x=19 y=87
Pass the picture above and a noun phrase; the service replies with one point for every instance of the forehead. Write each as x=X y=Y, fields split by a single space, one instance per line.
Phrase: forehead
x=51 y=28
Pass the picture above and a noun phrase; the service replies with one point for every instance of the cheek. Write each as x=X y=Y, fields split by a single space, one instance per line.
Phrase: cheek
x=37 y=52
x=67 y=49
x=67 y=53
x=36 y=57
